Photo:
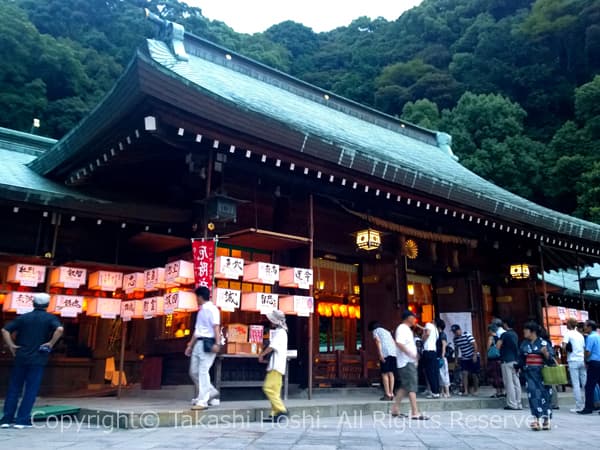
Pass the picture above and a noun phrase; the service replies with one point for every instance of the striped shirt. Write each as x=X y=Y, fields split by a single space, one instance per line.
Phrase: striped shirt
x=464 y=344
x=388 y=346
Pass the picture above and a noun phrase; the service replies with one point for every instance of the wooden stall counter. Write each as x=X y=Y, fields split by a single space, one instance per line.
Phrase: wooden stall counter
x=230 y=373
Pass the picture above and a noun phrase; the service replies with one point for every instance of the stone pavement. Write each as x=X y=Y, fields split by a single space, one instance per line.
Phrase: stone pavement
x=463 y=429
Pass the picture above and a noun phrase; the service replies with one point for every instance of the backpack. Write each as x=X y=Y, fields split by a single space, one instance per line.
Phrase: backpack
x=449 y=353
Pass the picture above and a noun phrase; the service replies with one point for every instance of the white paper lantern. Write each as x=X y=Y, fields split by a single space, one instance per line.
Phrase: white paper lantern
x=26 y=274
x=229 y=268
x=260 y=272
x=106 y=308
x=296 y=278
x=68 y=277
x=134 y=282
x=104 y=280
x=19 y=302
x=227 y=299
x=180 y=301
x=154 y=279
x=179 y=272
x=297 y=305
x=66 y=305
x=259 y=302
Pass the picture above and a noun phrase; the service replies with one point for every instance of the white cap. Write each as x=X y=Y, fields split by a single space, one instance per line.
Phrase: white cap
x=41 y=299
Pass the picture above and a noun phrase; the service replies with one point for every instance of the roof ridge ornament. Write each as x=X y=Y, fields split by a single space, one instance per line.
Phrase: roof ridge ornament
x=171 y=33
x=444 y=142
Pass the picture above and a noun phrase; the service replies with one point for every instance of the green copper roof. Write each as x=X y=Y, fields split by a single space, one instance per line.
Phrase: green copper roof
x=359 y=135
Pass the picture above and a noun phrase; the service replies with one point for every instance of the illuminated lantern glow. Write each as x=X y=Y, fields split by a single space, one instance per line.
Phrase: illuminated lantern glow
x=344 y=311
x=68 y=277
x=179 y=272
x=357 y=313
x=411 y=289
x=106 y=308
x=321 y=309
x=519 y=271
x=105 y=281
x=328 y=312
x=368 y=239
x=336 y=310
x=352 y=312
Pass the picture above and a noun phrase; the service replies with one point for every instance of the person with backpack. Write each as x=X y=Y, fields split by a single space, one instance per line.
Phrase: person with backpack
x=508 y=344
x=494 y=371
x=442 y=353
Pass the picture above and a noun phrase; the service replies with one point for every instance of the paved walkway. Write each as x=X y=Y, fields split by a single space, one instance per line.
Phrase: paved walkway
x=462 y=429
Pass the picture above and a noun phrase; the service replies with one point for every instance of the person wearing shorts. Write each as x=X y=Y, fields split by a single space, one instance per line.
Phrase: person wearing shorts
x=465 y=344
x=386 y=349
x=407 y=367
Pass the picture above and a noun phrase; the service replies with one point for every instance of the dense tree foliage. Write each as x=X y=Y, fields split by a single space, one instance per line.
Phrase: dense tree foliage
x=514 y=81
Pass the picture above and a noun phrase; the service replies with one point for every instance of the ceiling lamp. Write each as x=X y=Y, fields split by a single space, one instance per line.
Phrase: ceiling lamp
x=368 y=239
x=519 y=271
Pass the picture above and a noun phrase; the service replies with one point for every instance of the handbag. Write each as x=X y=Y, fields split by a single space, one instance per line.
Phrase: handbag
x=554 y=375
x=493 y=352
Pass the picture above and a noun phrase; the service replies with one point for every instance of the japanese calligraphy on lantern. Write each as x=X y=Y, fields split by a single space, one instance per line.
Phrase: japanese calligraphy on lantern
x=296 y=278
x=68 y=277
x=154 y=278
x=266 y=302
x=179 y=272
x=152 y=307
x=584 y=315
x=304 y=306
x=26 y=274
x=170 y=302
x=21 y=302
x=128 y=310
x=66 y=305
x=133 y=282
x=562 y=313
x=228 y=299
x=573 y=313
x=256 y=334
x=105 y=281
x=261 y=272
x=229 y=268
x=204 y=262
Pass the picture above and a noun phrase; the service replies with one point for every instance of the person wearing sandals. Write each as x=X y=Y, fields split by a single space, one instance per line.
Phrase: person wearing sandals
x=407 y=367
x=535 y=353
x=386 y=350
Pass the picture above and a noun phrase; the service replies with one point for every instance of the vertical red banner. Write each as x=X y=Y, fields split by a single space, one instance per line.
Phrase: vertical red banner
x=204 y=262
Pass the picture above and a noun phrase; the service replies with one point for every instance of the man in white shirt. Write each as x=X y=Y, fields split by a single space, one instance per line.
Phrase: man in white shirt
x=431 y=365
x=277 y=365
x=203 y=348
x=407 y=367
x=574 y=345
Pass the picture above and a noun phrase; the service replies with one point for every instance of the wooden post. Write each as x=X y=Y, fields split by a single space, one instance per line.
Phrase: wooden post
x=122 y=357
x=544 y=288
x=311 y=235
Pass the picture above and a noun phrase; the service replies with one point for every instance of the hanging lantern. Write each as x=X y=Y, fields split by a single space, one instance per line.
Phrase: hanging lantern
x=411 y=289
x=106 y=308
x=589 y=283
x=328 y=311
x=344 y=311
x=352 y=312
x=368 y=239
x=519 y=271
x=180 y=301
x=336 y=310
x=321 y=309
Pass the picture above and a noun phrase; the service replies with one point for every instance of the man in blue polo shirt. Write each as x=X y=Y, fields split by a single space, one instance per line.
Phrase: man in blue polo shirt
x=592 y=354
x=36 y=334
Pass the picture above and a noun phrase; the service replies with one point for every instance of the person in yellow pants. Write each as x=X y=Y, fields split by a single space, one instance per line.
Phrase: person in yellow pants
x=277 y=364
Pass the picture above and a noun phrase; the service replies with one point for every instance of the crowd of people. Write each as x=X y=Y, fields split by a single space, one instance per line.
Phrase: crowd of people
x=511 y=364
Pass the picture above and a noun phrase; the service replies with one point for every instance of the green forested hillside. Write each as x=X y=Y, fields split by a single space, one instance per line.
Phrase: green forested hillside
x=516 y=82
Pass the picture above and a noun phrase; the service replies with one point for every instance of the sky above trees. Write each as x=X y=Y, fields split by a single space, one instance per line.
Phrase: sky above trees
x=254 y=16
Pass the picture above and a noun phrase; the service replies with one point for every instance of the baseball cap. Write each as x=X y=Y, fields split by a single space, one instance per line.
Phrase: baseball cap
x=455 y=328
x=41 y=299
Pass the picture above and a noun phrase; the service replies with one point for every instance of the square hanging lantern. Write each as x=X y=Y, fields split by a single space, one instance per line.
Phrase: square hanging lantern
x=105 y=281
x=134 y=282
x=68 y=277
x=519 y=271
x=259 y=302
x=19 y=302
x=368 y=239
x=66 y=305
x=261 y=272
x=229 y=268
x=179 y=272
x=26 y=274
x=154 y=279
x=106 y=308
x=296 y=278
x=131 y=309
x=297 y=305
x=227 y=299
x=180 y=301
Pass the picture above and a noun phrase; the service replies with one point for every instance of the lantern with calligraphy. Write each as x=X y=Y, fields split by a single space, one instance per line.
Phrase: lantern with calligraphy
x=152 y=307
x=131 y=309
x=296 y=278
x=227 y=299
x=259 y=302
x=134 y=282
x=66 y=305
x=261 y=272
x=67 y=277
x=106 y=308
x=297 y=304
x=154 y=279
x=519 y=271
x=180 y=301
x=368 y=239
x=229 y=268
x=26 y=274
x=178 y=273
x=19 y=302
x=105 y=281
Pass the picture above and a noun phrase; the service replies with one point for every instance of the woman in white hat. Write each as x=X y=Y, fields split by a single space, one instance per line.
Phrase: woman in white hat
x=276 y=365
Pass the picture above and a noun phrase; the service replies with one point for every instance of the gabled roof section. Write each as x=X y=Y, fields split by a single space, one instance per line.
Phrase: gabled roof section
x=358 y=137
x=27 y=143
